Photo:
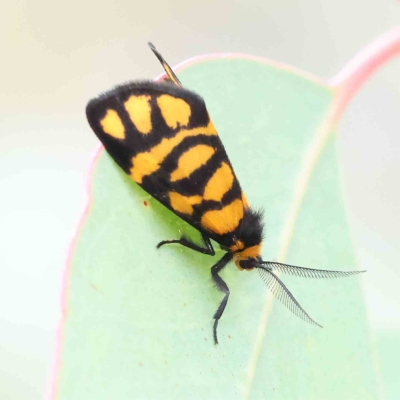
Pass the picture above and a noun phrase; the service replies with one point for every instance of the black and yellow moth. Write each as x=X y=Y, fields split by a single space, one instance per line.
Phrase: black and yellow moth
x=161 y=135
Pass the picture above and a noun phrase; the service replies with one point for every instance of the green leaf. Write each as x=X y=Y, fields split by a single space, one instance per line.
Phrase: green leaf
x=139 y=320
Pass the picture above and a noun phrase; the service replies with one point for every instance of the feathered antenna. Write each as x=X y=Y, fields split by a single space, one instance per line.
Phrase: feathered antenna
x=279 y=289
x=307 y=272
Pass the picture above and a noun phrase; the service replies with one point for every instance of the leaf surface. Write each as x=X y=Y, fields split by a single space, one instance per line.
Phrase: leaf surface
x=139 y=320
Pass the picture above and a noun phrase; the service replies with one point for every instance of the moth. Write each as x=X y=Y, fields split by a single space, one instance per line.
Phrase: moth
x=162 y=136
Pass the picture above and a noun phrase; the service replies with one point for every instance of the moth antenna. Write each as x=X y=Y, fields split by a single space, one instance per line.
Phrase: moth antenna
x=284 y=295
x=307 y=272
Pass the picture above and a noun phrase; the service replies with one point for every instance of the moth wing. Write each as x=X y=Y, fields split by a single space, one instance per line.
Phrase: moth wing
x=161 y=135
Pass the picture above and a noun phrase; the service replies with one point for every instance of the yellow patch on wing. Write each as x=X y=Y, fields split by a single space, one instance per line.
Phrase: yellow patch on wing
x=219 y=183
x=149 y=162
x=225 y=220
x=191 y=160
x=112 y=125
x=174 y=111
x=139 y=110
x=183 y=204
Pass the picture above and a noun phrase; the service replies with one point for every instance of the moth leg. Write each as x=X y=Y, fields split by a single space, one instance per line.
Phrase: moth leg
x=167 y=68
x=222 y=287
x=208 y=249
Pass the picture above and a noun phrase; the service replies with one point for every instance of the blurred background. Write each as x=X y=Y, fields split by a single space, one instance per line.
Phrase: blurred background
x=57 y=55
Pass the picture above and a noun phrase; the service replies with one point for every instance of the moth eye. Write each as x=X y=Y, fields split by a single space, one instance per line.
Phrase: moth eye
x=247 y=264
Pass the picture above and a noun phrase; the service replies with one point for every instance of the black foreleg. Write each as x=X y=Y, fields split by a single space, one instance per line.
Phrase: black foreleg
x=222 y=287
x=208 y=249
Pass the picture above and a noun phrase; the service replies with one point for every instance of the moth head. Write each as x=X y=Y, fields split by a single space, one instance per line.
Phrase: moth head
x=248 y=258
x=247 y=241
